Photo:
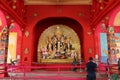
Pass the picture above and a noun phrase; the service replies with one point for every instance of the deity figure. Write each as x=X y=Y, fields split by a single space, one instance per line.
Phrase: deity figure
x=73 y=54
x=44 y=52
x=68 y=43
x=58 y=33
x=49 y=44
x=58 y=46
x=57 y=36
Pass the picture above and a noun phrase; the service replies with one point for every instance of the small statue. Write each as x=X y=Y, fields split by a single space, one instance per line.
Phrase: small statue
x=58 y=33
x=44 y=53
x=49 y=45
x=73 y=54
x=68 y=43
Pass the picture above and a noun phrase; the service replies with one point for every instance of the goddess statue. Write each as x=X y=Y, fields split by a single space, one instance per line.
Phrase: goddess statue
x=49 y=44
x=58 y=46
x=44 y=52
x=58 y=33
x=68 y=43
x=73 y=54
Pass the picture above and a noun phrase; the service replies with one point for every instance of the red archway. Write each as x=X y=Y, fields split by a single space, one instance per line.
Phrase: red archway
x=45 y=23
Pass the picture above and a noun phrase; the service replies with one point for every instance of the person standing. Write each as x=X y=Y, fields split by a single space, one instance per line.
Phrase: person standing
x=91 y=68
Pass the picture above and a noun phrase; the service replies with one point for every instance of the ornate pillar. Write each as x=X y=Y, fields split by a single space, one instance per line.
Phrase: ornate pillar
x=111 y=44
x=4 y=39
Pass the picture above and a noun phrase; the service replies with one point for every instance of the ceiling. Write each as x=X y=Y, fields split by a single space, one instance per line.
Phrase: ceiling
x=58 y=2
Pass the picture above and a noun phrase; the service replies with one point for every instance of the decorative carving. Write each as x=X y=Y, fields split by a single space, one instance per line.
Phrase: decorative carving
x=35 y=14
x=14 y=7
x=12 y=20
x=7 y=17
x=103 y=26
x=26 y=33
x=107 y=17
x=111 y=30
x=90 y=50
x=101 y=7
x=26 y=51
x=89 y=33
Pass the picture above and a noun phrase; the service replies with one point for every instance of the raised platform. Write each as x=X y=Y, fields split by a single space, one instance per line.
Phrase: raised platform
x=56 y=60
x=53 y=66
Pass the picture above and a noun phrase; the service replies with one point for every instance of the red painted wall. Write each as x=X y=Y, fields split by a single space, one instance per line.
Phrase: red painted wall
x=3 y=20
x=45 y=23
x=44 y=12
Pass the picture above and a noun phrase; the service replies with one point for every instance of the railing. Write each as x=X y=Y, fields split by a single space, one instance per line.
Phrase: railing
x=25 y=73
x=111 y=70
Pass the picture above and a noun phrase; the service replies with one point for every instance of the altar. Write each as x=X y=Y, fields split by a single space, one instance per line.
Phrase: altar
x=50 y=66
x=56 y=60
x=58 y=44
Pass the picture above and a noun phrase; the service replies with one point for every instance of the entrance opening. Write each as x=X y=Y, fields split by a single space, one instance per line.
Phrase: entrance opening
x=61 y=29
